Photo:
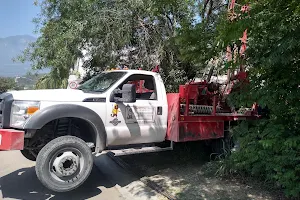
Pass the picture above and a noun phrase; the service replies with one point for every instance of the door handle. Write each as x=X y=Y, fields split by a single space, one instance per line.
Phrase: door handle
x=159 y=110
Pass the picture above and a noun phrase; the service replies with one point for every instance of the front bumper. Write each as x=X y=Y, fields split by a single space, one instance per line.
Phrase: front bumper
x=11 y=139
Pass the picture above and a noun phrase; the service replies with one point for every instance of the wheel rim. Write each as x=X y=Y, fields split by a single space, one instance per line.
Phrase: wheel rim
x=66 y=164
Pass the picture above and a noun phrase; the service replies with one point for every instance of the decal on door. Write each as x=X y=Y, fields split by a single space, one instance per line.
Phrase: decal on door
x=114 y=113
x=129 y=113
x=115 y=122
x=137 y=114
x=115 y=110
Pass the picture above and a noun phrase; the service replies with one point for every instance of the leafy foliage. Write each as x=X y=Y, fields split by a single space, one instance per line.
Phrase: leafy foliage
x=51 y=81
x=6 y=84
x=270 y=148
x=133 y=33
x=197 y=41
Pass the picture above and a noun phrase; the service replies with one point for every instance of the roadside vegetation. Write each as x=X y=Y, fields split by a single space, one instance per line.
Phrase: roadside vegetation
x=6 y=84
x=28 y=81
x=182 y=36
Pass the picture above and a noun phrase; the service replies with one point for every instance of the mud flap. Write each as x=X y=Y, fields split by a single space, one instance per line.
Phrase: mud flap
x=11 y=139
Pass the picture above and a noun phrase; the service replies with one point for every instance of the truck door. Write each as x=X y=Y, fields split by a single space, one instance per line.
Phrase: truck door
x=142 y=121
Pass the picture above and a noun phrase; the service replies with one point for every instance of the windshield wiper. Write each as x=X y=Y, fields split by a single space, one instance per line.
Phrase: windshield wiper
x=99 y=90
x=84 y=90
x=88 y=90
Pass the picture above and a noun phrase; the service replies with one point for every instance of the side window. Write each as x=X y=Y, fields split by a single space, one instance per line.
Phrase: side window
x=145 y=86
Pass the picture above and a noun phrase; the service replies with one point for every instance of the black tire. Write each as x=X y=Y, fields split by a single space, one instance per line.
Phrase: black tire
x=217 y=146
x=222 y=146
x=59 y=159
x=26 y=153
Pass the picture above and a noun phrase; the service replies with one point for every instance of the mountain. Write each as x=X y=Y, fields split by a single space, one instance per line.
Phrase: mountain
x=11 y=47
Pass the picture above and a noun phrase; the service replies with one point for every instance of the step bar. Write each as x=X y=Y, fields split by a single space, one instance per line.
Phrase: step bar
x=130 y=151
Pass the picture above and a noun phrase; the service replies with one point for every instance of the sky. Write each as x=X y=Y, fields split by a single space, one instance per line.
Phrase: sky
x=16 y=17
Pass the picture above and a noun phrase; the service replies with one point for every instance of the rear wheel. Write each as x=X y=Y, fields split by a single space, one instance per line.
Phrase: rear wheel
x=64 y=163
x=223 y=147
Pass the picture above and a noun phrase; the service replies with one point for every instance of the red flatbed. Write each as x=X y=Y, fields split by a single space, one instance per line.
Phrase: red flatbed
x=183 y=127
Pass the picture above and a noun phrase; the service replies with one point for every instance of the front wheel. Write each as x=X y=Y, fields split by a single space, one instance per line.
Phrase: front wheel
x=64 y=164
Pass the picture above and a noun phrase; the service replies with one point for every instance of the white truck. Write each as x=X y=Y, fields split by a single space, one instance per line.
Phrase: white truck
x=61 y=128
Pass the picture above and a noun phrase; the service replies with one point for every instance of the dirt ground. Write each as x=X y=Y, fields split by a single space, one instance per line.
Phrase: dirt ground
x=190 y=175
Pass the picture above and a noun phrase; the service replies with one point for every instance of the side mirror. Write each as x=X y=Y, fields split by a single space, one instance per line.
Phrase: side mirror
x=128 y=94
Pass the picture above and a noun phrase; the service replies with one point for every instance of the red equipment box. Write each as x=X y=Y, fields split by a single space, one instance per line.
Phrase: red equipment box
x=183 y=128
x=11 y=139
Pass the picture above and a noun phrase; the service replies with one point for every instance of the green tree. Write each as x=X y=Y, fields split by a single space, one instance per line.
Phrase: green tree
x=271 y=148
x=6 y=84
x=133 y=33
x=51 y=81
x=197 y=41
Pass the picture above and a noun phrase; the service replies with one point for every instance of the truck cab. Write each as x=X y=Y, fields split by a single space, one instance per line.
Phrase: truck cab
x=55 y=127
x=99 y=103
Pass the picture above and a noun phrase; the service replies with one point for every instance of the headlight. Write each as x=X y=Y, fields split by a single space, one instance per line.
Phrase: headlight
x=21 y=111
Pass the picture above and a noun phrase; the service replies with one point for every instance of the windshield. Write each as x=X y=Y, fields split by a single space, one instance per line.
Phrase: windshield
x=101 y=82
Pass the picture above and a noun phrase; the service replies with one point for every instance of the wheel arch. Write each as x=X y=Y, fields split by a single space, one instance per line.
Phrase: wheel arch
x=48 y=114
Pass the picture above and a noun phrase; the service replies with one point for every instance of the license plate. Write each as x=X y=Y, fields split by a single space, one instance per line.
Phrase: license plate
x=0 y=138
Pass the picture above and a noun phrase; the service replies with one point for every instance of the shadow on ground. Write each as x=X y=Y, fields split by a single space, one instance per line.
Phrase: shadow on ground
x=187 y=174
x=23 y=184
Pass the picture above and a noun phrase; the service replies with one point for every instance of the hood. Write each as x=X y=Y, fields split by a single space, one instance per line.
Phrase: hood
x=52 y=95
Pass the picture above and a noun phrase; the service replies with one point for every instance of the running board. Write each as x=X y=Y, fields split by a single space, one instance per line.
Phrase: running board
x=130 y=151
